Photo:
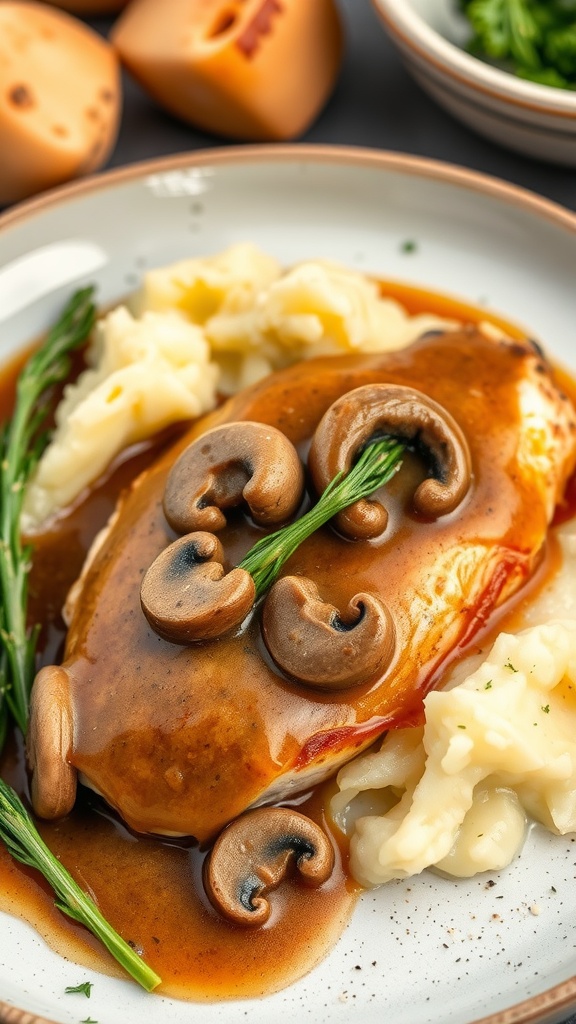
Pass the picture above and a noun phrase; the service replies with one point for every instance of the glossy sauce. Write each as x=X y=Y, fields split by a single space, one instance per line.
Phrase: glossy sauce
x=159 y=725
x=151 y=889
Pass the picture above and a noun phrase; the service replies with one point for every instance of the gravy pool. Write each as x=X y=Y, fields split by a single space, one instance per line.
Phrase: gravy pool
x=150 y=889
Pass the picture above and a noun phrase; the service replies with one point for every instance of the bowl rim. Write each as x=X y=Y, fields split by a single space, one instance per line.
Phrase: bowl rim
x=406 y=163
x=415 y=34
x=562 y=996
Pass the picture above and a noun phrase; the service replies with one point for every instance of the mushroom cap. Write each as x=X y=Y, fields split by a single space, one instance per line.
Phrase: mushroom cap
x=403 y=413
x=187 y=596
x=49 y=743
x=245 y=461
x=311 y=641
x=253 y=855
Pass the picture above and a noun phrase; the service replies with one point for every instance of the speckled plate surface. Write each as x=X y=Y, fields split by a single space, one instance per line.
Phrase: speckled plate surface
x=498 y=948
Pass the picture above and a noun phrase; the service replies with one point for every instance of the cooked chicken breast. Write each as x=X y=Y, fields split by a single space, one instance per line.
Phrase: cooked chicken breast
x=180 y=739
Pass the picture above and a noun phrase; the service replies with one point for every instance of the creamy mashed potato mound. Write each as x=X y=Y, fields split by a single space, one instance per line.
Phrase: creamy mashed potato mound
x=317 y=308
x=143 y=375
x=497 y=749
x=228 y=282
x=196 y=328
x=258 y=319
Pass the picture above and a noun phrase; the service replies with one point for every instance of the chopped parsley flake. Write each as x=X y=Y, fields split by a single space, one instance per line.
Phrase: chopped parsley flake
x=510 y=666
x=461 y=726
x=546 y=709
x=84 y=989
x=488 y=685
x=409 y=246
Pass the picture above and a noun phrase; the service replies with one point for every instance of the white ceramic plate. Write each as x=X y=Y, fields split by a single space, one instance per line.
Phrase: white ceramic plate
x=429 y=950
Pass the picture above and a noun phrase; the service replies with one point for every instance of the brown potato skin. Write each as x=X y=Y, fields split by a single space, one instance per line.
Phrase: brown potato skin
x=53 y=126
x=265 y=77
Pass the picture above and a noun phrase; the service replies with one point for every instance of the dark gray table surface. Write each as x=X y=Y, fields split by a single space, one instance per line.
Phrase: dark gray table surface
x=375 y=104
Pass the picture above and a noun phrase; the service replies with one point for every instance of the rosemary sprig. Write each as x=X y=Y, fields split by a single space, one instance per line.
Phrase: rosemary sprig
x=19 y=833
x=376 y=465
x=22 y=441
x=3 y=704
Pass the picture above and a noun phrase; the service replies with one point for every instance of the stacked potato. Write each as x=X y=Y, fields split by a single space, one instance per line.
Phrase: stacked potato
x=247 y=69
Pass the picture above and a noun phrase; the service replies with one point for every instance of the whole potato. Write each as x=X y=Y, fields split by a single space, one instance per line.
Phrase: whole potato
x=247 y=69
x=60 y=98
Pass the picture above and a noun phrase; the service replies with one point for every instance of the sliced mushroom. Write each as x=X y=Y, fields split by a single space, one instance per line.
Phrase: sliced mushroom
x=49 y=743
x=253 y=856
x=187 y=596
x=404 y=413
x=238 y=461
x=312 y=642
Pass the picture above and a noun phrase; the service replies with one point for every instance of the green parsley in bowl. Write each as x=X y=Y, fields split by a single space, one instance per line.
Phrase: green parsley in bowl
x=506 y=68
x=534 y=40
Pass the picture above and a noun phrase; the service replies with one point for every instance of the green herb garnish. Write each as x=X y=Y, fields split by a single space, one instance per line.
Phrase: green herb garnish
x=83 y=989
x=22 y=441
x=536 y=38
x=379 y=461
x=18 y=832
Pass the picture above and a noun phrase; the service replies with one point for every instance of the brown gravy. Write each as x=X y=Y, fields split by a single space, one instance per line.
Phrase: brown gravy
x=151 y=889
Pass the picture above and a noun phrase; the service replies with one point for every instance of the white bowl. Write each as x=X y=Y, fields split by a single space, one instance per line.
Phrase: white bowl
x=534 y=119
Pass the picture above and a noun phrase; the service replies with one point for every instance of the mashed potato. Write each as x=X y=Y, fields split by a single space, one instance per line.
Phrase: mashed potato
x=315 y=309
x=199 y=327
x=145 y=374
x=497 y=748
x=257 y=319
x=226 y=283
